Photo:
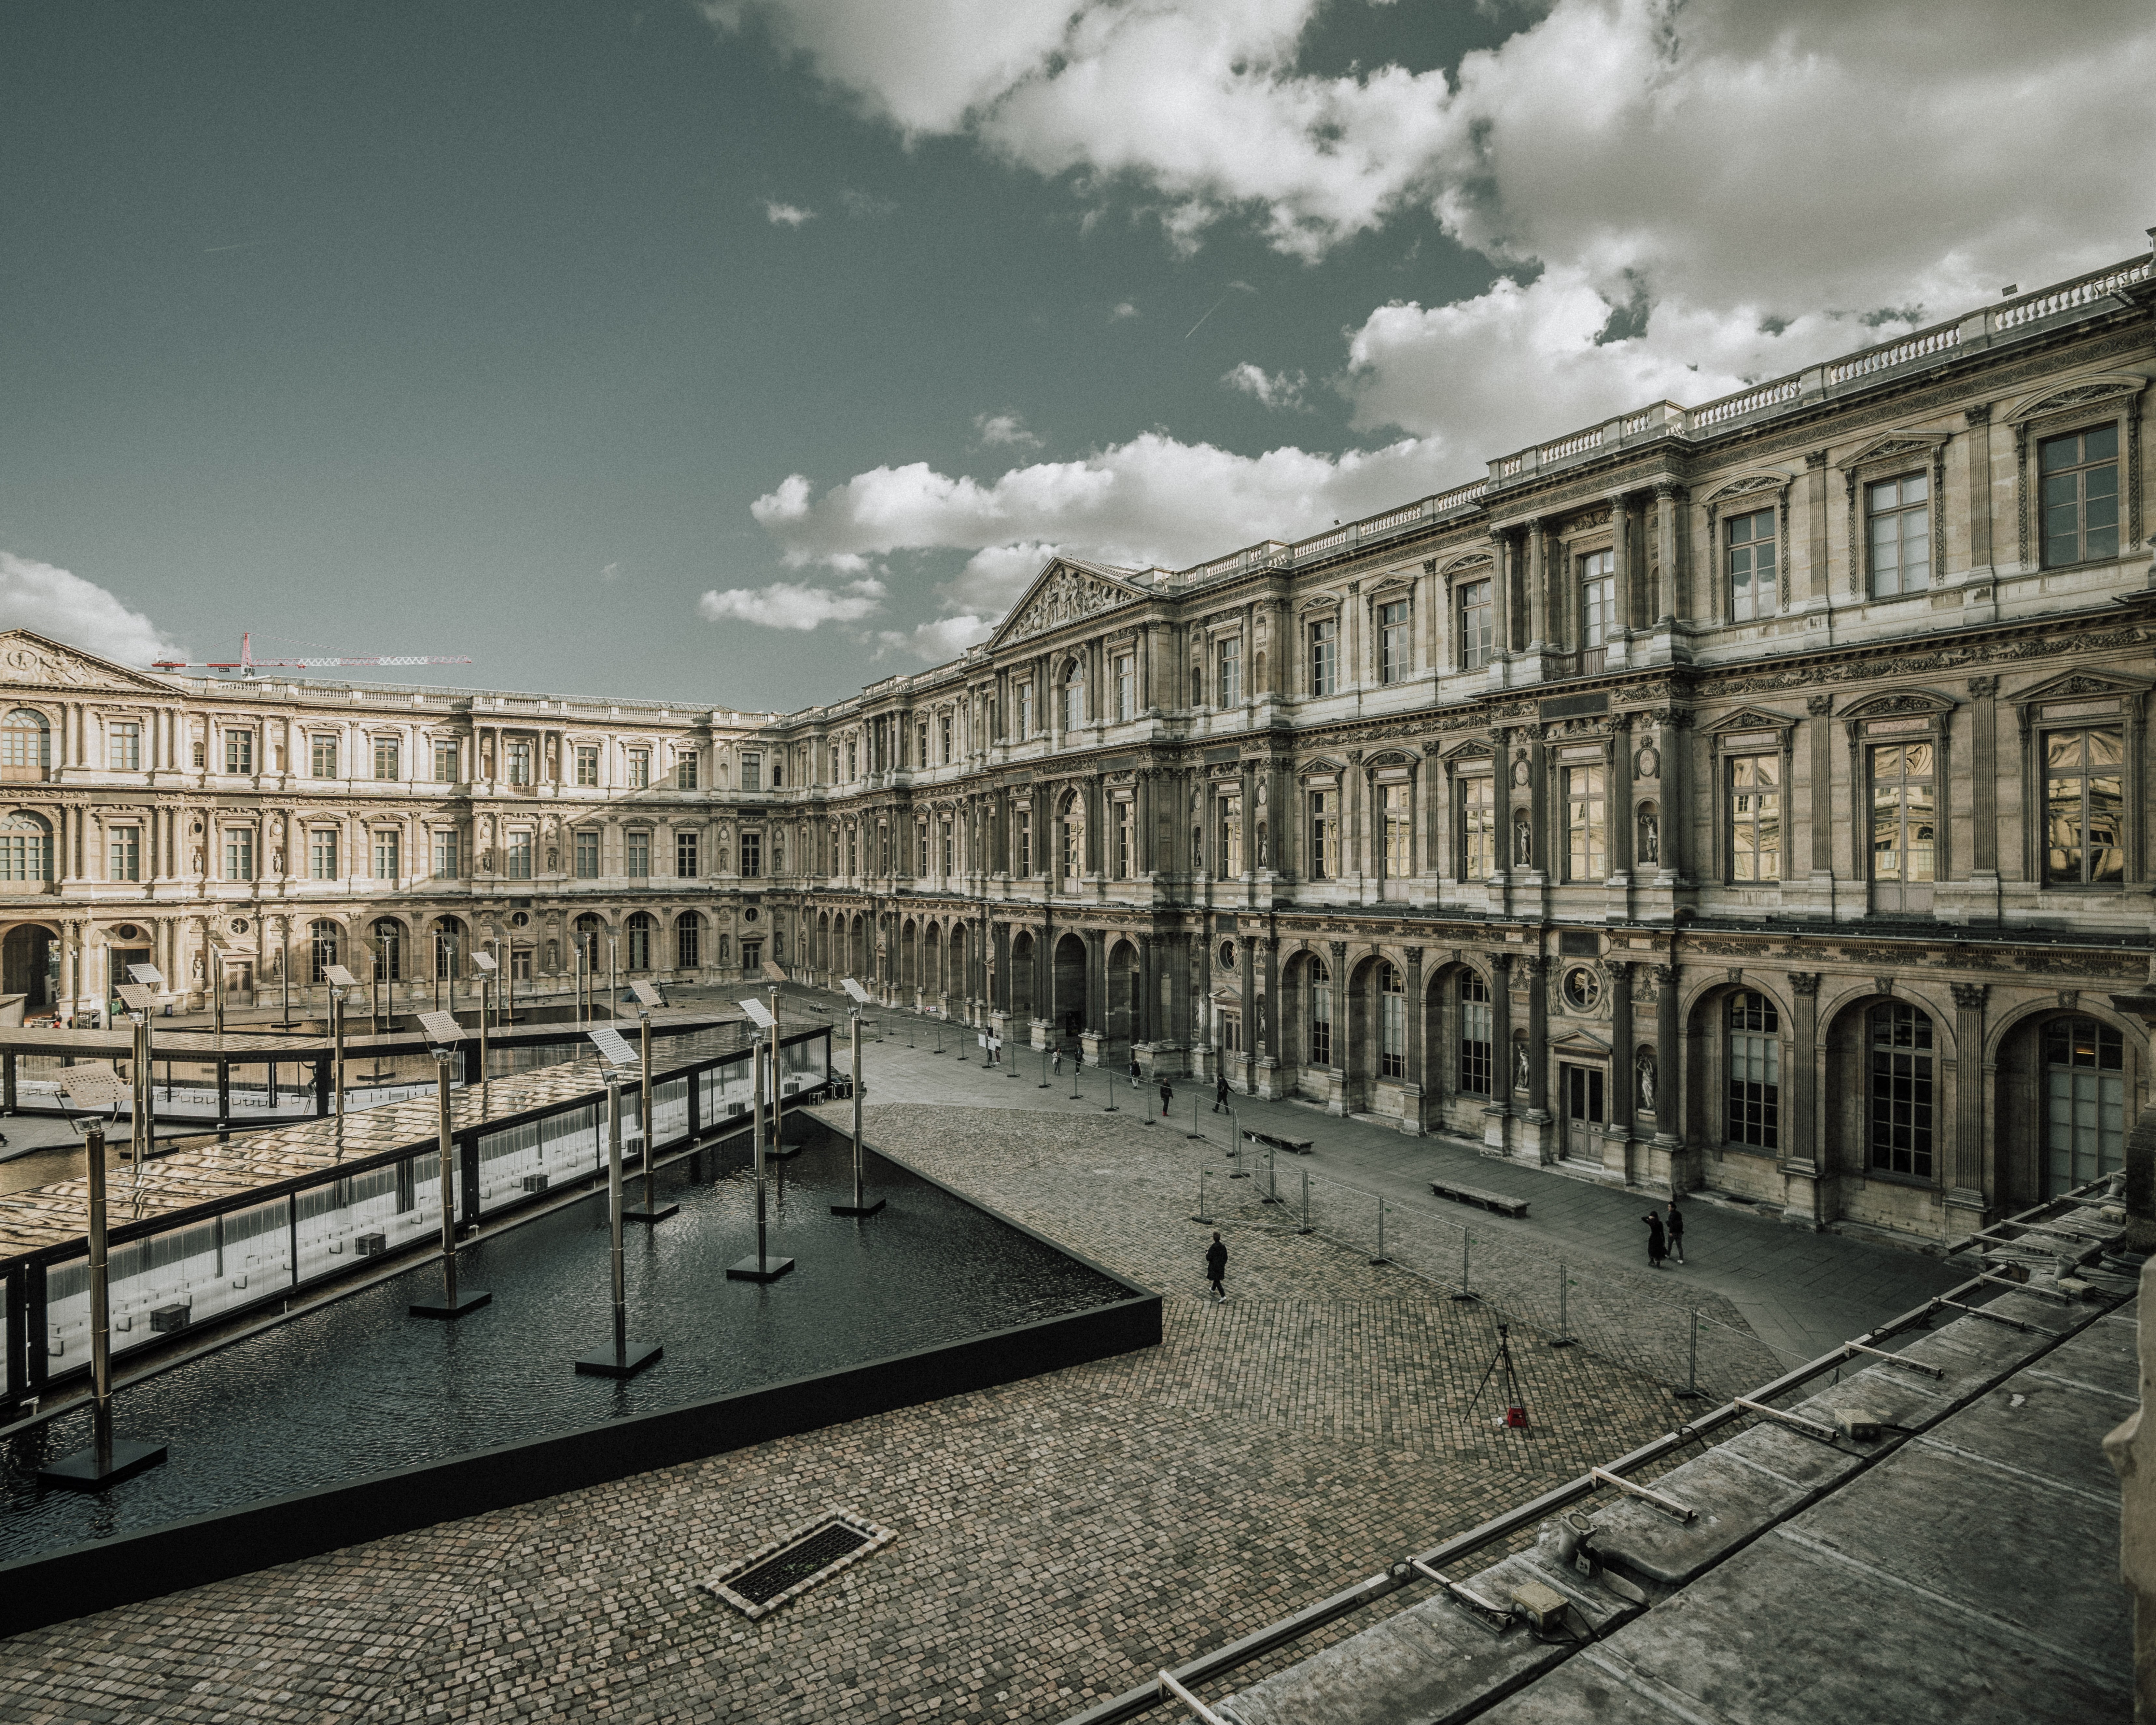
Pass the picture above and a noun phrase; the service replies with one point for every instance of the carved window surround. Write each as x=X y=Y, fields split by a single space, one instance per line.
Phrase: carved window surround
x=2067 y=703
x=1882 y=457
x=2088 y=401
x=1750 y=731
x=1741 y=494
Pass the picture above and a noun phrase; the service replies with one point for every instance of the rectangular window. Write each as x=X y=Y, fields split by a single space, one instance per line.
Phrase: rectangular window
x=1393 y=1030
x=1392 y=803
x=1478 y=829
x=1026 y=709
x=1901 y=1097
x=686 y=861
x=1231 y=837
x=853 y=762
x=1586 y=832
x=239 y=752
x=1749 y=541
x=1904 y=815
x=1755 y=1075
x=2084 y=807
x=1325 y=655
x=752 y=855
x=1127 y=689
x=1022 y=842
x=640 y=770
x=944 y=730
x=1231 y=670
x=447 y=855
x=520 y=964
x=588 y=853
x=123 y=747
x=125 y=859
x=1900 y=534
x=1476 y=1034
x=516 y=854
x=752 y=773
x=1476 y=622
x=323 y=854
x=2081 y=495
x=520 y=763
x=448 y=757
x=1124 y=859
x=1395 y=651
x=638 y=846
x=1597 y=597
x=385 y=757
x=388 y=858
x=1320 y=1015
x=1324 y=835
x=25 y=853
x=588 y=764
x=239 y=853
x=1755 y=818
x=324 y=753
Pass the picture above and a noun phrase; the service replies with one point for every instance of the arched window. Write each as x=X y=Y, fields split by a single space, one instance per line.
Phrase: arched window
x=1755 y=1072
x=448 y=950
x=1074 y=696
x=590 y=926
x=1477 y=1034
x=389 y=937
x=1393 y=1016
x=640 y=930
x=2084 y=1102
x=26 y=744
x=689 y=941
x=1901 y=1090
x=26 y=847
x=324 y=939
x=1321 y=1013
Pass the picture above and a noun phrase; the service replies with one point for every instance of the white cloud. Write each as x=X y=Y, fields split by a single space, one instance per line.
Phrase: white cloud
x=1271 y=389
x=865 y=205
x=946 y=638
x=1124 y=309
x=1003 y=431
x=611 y=573
x=787 y=604
x=54 y=603
x=787 y=215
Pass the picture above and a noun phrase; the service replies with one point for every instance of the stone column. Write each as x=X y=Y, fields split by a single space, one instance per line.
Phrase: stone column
x=1539 y=620
x=1249 y=968
x=1539 y=1139
x=1667 y=502
x=1669 y=1078
x=1499 y=1109
x=1978 y=421
x=1983 y=774
x=1802 y=1164
x=1817 y=583
x=1269 y=1056
x=1624 y=1082
x=1670 y=743
x=1505 y=617
x=1175 y=953
x=1418 y=1033
x=1969 y=1189
x=1621 y=570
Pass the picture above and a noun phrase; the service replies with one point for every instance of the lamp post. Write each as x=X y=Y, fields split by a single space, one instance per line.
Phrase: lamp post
x=647 y=1116
x=763 y=1267
x=485 y=962
x=442 y=1029
x=861 y=1206
x=625 y=1359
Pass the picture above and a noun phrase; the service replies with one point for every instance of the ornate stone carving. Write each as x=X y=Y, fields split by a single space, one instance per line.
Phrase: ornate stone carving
x=2069 y=999
x=1338 y=949
x=1969 y=996
x=1064 y=596
x=1982 y=688
x=1818 y=705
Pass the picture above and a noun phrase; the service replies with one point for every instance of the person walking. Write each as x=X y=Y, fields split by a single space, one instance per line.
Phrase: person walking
x=1216 y=1268
x=1219 y=1092
x=1057 y=1064
x=1134 y=1072
x=1166 y=1095
x=1676 y=1229
x=1656 y=1251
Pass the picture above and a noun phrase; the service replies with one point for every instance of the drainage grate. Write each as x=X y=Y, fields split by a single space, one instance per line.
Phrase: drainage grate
x=773 y=1573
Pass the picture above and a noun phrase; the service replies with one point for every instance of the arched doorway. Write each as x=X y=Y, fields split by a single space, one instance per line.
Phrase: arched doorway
x=450 y=942
x=1125 y=980
x=590 y=936
x=909 y=974
x=29 y=965
x=931 y=956
x=26 y=746
x=961 y=979
x=2066 y=1084
x=1069 y=1000
x=1023 y=957
x=325 y=947
x=387 y=936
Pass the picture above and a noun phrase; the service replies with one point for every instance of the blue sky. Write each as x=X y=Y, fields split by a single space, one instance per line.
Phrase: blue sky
x=748 y=350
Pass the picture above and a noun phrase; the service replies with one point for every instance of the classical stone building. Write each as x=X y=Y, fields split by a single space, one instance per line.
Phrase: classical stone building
x=1752 y=796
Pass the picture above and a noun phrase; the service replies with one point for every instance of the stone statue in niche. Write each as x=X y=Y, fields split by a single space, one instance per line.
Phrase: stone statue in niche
x=1644 y=1066
x=1261 y=1019
x=1651 y=837
x=553 y=859
x=195 y=861
x=1520 y=1069
x=1524 y=841
x=277 y=860
x=1264 y=857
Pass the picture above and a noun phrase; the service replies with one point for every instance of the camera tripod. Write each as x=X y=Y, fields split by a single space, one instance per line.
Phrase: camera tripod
x=1515 y=1411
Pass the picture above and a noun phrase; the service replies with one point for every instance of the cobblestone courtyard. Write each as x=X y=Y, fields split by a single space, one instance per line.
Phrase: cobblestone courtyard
x=1059 y=1538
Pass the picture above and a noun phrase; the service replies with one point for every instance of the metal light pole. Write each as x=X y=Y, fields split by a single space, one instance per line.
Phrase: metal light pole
x=647 y=1118
x=108 y=1460
x=622 y=1360
x=861 y=1206
x=763 y=1267
x=452 y=1304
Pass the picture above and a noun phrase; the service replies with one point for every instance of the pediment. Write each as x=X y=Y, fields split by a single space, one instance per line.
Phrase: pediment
x=1067 y=591
x=1751 y=718
x=1320 y=765
x=28 y=659
x=2082 y=686
x=1473 y=749
x=2082 y=392
x=1579 y=1042
x=1902 y=701
x=1898 y=446
x=1474 y=560
x=1750 y=485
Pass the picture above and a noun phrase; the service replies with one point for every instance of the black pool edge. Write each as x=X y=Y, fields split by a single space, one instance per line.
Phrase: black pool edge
x=97 y=1575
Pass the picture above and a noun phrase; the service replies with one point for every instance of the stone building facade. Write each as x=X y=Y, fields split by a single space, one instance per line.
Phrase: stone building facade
x=1753 y=796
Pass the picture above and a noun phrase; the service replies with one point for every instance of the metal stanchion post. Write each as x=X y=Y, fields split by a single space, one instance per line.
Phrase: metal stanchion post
x=1690 y=1392
x=1235 y=1169
x=1201 y=1215
x=1381 y=1258
x=1304 y=1229
x=1077 y=1062
x=622 y=1360
x=452 y=1304
x=1466 y=1246
x=647 y=1120
x=763 y=1267
x=1565 y=1337
x=861 y=1206
x=1109 y=1079
x=1272 y=1174
x=1044 y=1068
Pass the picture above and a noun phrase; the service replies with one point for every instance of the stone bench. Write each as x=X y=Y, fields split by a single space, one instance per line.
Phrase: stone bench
x=1495 y=1201
x=1275 y=1141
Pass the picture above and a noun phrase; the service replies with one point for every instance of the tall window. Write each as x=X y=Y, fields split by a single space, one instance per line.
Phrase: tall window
x=323 y=854
x=1022 y=842
x=1231 y=837
x=323 y=756
x=640 y=771
x=1321 y=1013
x=920 y=847
x=1755 y=818
x=639 y=853
x=1394 y=808
x=686 y=861
x=239 y=752
x=752 y=855
x=1755 y=1072
x=2085 y=1099
x=388 y=853
x=640 y=931
x=949 y=846
x=1901 y=1090
x=448 y=952
x=1395 y=650
x=689 y=941
x=520 y=963
x=853 y=759
x=389 y=951
x=323 y=948
x=1324 y=834
x=588 y=853
x=1074 y=698
x=447 y=759
x=1475 y=624
x=684 y=772
x=516 y=855
x=1126 y=691
x=1749 y=541
x=2084 y=807
x=1074 y=839
x=26 y=744
x=1231 y=669
x=446 y=851
x=1586 y=830
x=1123 y=849
x=1477 y=1033
x=123 y=746
x=751 y=772
x=2081 y=495
x=1900 y=534
x=1478 y=828
x=1597 y=597
x=123 y=854
x=1392 y=1023
x=1904 y=814
x=26 y=847
x=1325 y=655
x=1026 y=725
x=519 y=762
x=239 y=853
x=944 y=724
x=588 y=764
x=385 y=757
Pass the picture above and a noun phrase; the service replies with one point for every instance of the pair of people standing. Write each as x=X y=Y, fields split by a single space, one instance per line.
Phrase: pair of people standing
x=1664 y=1240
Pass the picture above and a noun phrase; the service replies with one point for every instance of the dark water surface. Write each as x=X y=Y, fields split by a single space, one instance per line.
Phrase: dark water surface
x=360 y=1387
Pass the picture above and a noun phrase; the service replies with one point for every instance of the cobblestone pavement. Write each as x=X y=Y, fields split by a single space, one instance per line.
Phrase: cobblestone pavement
x=1059 y=1539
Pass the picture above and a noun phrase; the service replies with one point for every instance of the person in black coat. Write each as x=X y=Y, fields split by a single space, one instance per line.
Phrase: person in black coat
x=1216 y=1268
x=1676 y=1229
x=1166 y=1095
x=1656 y=1251
x=1219 y=1092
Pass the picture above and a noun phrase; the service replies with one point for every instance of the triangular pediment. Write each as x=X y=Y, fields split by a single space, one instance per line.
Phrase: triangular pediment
x=1752 y=718
x=1579 y=1042
x=2082 y=685
x=1068 y=590
x=30 y=660
x=1897 y=446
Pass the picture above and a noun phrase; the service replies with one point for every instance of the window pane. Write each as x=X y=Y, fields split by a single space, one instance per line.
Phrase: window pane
x=2100 y=444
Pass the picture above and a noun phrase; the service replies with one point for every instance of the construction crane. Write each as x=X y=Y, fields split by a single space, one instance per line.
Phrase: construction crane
x=247 y=663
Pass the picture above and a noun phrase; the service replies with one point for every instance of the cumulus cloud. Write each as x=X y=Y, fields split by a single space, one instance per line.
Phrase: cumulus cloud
x=946 y=638
x=610 y=573
x=1271 y=389
x=1124 y=309
x=789 y=604
x=865 y=205
x=787 y=215
x=1003 y=431
x=55 y=603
